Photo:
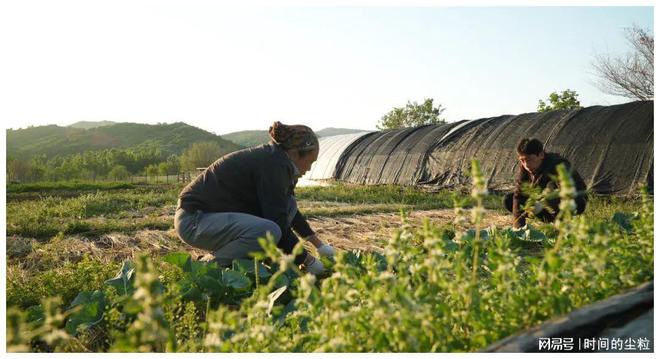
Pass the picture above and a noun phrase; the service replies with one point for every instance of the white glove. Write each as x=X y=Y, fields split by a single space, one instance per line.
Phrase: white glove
x=538 y=207
x=326 y=250
x=313 y=265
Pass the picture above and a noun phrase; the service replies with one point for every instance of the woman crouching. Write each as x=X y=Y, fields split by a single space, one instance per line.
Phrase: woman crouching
x=248 y=193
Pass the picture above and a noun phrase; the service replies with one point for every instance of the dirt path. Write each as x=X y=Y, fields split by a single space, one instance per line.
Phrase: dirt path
x=370 y=232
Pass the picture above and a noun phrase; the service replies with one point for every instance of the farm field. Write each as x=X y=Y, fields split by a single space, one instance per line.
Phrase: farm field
x=97 y=267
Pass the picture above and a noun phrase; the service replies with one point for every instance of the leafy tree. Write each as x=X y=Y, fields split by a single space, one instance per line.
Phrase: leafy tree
x=412 y=115
x=69 y=169
x=16 y=169
x=38 y=168
x=162 y=169
x=630 y=75
x=152 y=171
x=200 y=154
x=36 y=171
x=118 y=173
x=92 y=163
x=173 y=165
x=169 y=167
x=146 y=155
x=565 y=101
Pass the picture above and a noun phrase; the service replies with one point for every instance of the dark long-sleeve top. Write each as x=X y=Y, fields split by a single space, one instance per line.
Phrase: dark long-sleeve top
x=542 y=179
x=257 y=181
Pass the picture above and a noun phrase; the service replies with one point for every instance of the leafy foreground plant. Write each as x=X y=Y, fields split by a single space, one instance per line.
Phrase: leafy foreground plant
x=434 y=289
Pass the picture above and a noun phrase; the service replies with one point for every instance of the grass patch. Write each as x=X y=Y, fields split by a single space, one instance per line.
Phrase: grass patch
x=27 y=288
x=389 y=194
x=54 y=227
x=604 y=207
x=352 y=209
x=67 y=185
x=63 y=193
x=98 y=211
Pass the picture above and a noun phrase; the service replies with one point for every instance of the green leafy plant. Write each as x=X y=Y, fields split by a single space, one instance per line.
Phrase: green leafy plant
x=566 y=100
x=411 y=115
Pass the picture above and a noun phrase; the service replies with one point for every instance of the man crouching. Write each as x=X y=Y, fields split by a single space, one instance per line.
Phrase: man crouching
x=538 y=172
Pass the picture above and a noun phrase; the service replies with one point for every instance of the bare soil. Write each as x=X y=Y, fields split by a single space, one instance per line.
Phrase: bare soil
x=371 y=231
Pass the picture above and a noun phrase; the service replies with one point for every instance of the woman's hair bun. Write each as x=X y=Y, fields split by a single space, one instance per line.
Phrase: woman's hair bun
x=293 y=136
x=279 y=132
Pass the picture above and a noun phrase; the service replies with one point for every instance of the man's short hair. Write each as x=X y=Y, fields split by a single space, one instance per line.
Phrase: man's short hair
x=529 y=146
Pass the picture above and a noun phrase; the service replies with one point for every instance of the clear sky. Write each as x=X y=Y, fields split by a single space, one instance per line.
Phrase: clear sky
x=230 y=69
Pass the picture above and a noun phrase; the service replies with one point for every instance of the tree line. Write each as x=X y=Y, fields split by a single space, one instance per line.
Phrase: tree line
x=112 y=164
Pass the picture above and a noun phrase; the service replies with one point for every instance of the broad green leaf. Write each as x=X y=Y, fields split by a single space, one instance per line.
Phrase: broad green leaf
x=282 y=280
x=351 y=257
x=214 y=272
x=211 y=285
x=188 y=289
x=90 y=306
x=35 y=313
x=236 y=280
x=624 y=220
x=514 y=233
x=450 y=246
x=193 y=294
x=471 y=234
x=123 y=281
x=291 y=274
x=448 y=235
x=202 y=268
x=180 y=259
x=376 y=260
x=534 y=235
x=246 y=266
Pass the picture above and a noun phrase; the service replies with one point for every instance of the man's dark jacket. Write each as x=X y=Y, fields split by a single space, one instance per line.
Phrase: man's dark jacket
x=258 y=181
x=542 y=179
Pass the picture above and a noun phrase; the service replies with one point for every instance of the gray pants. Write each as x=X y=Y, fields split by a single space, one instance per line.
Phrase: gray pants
x=227 y=235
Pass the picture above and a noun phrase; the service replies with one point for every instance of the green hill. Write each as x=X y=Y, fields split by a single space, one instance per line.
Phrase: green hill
x=91 y=124
x=173 y=138
x=55 y=140
x=248 y=138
